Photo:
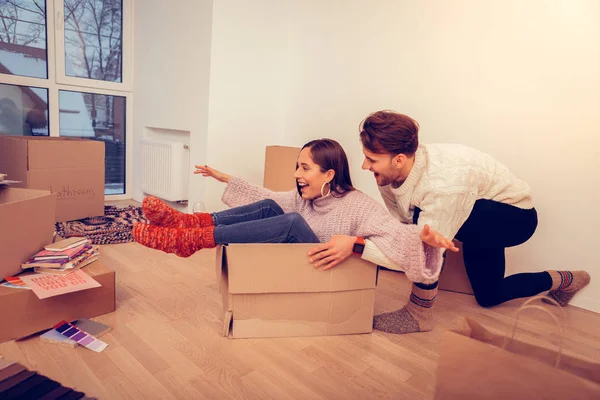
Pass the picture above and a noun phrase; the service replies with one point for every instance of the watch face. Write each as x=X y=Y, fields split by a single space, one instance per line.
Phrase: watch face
x=358 y=248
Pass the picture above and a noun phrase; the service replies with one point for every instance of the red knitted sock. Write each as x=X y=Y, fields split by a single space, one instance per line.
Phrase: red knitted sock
x=159 y=213
x=182 y=241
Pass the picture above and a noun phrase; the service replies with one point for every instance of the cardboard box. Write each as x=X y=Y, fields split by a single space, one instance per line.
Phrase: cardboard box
x=70 y=167
x=271 y=290
x=454 y=275
x=26 y=225
x=280 y=165
x=24 y=314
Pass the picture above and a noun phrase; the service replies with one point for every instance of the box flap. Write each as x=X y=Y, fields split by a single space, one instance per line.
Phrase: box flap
x=53 y=152
x=280 y=164
x=12 y=195
x=13 y=159
x=227 y=323
x=222 y=281
x=26 y=225
x=284 y=268
x=219 y=265
x=303 y=314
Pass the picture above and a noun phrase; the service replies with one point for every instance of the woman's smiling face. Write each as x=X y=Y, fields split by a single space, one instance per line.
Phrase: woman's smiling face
x=309 y=177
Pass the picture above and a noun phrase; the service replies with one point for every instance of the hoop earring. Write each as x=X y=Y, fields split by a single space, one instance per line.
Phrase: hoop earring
x=323 y=187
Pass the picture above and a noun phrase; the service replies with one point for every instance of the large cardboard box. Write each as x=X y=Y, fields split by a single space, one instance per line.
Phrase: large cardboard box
x=24 y=314
x=70 y=167
x=26 y=225
x=280 y=165
x=454 y=275
x=271 y=290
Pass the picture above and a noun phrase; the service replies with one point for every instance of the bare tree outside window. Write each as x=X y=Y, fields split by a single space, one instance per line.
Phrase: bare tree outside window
x=23 y=38
x=93 y=39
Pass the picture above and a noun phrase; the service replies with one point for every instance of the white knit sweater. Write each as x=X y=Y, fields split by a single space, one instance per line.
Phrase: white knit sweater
x=445 y=182
x=354 y=214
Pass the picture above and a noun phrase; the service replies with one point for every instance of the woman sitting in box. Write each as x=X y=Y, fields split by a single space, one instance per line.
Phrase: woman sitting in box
x=325 y=204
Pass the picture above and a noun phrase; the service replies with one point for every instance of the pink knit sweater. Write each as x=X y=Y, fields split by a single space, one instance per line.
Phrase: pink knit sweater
x=354 y=214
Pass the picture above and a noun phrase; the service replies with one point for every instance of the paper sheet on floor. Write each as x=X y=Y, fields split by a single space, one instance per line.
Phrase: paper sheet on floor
x=44 y=285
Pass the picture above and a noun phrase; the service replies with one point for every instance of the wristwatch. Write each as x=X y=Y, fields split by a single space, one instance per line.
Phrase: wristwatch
x=359 y=246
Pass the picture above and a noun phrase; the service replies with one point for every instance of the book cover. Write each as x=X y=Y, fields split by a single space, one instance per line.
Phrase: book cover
x=65 y=255
x=65 y=264
x=66 y=244
x=66 y=271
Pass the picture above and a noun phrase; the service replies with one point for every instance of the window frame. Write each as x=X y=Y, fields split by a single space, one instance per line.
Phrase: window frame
x=55 y=82
x=127 y=28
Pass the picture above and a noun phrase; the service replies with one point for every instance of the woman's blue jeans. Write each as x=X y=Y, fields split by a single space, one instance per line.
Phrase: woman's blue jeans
x=261 y=222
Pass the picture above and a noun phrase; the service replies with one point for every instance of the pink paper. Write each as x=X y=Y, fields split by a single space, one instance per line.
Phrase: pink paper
x=44 y=285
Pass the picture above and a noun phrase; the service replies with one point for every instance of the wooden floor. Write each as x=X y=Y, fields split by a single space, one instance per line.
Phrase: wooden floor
x=166 y=342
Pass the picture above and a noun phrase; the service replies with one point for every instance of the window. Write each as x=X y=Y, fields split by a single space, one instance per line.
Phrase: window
x=99 y=117
x=23 y=110
x=23 y=38
x=65 y=70
x=90 y=46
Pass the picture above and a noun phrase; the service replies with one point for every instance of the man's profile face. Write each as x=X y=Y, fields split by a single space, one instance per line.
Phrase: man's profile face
x=382 y=167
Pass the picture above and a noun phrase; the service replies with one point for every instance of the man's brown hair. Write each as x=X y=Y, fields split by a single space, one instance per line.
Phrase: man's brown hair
x=390 y=132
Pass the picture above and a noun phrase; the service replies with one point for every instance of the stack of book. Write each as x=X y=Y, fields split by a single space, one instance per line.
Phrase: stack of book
x=63 y=257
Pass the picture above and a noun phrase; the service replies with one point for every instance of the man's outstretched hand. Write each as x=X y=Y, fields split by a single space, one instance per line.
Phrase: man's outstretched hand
x=435 y=239
x=330 y=254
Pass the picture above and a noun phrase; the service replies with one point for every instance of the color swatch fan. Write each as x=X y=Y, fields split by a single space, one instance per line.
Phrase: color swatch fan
x=81 y=337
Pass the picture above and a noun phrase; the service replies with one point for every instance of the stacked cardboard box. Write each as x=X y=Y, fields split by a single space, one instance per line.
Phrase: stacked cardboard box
x=27 y=225
x=280 y=164
x=26 y=314
x=70 y=167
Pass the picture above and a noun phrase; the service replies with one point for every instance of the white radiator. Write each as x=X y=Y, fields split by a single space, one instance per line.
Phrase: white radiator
x=165 y=169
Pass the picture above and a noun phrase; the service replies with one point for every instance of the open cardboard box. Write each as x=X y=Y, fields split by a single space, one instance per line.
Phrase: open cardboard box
x=271 y=290
x=24 y=313
x=26 y=225
x=70 y=167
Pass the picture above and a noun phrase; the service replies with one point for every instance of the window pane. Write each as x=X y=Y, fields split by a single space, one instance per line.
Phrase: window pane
x=23 y=38
x=23 y=111
x=93 y=39
x=98 y=117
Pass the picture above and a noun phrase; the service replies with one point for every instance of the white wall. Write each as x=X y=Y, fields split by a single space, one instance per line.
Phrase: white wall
x=247 y=89
x=171 y=86
x=518 y=79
